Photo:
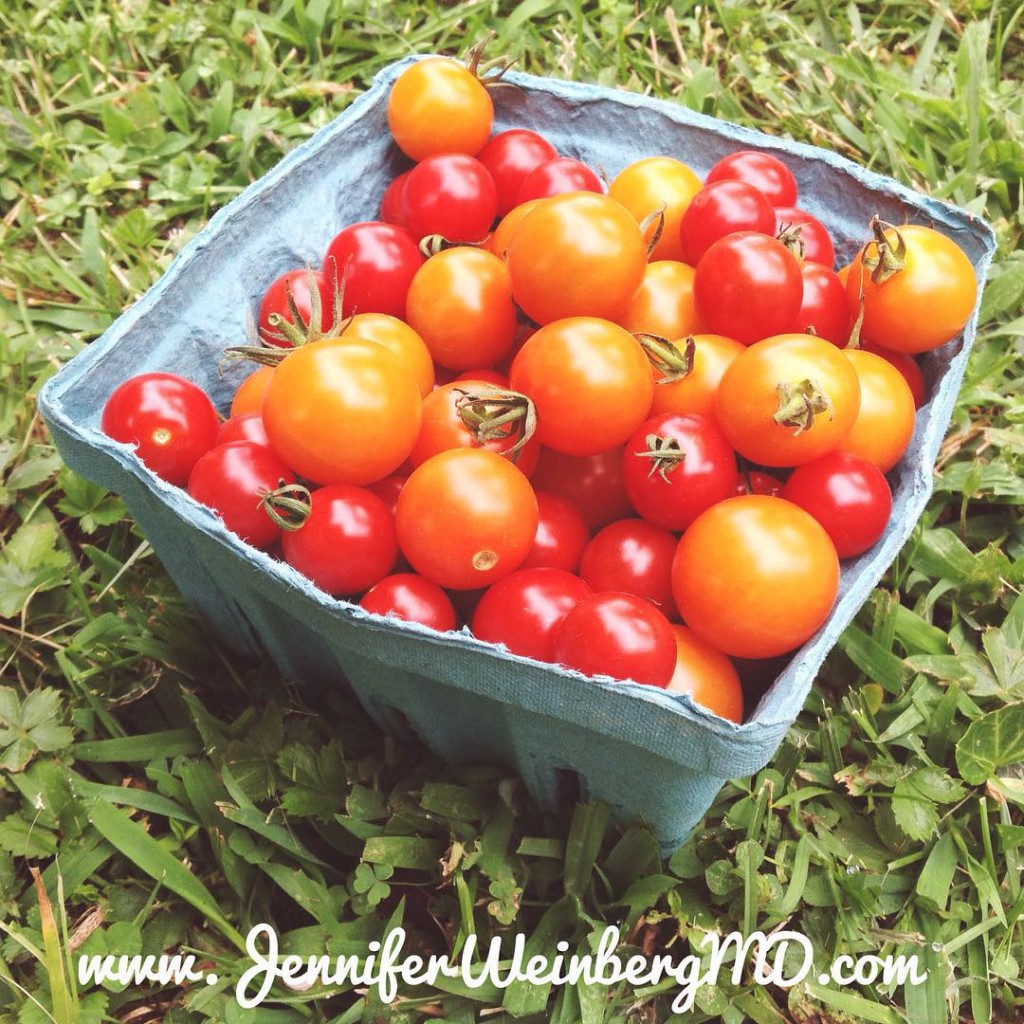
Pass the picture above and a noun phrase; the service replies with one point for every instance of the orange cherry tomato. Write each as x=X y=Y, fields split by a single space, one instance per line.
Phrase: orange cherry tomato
x=501 y=237
x=657 y=183
x=249 y=396
x=576 y=254
x=664 y=303
x=439 y=106
x=924 y=304
x=695 y=392
x=788 y=399
x=885 y=422
x=399 y=338
x=460 y=304
x=755 y=576
x=466 y=518
x=590 y=381
x=706 y=674
x=342 y=411
x=443 y=428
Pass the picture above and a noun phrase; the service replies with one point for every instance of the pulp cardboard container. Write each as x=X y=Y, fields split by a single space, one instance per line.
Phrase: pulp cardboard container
x=650 y=754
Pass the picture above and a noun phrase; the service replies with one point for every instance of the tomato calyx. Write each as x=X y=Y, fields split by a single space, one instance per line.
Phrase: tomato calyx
x=665 y=454
x=799 y=404
x=666 y=357
x=497 y=415
x=791 y=236
x=294 y=329
x=657 y=218
x=288 y=505
x=489 y=73
x=890 y=258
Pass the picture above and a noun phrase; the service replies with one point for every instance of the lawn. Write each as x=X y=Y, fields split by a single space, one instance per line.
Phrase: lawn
x=149 y=804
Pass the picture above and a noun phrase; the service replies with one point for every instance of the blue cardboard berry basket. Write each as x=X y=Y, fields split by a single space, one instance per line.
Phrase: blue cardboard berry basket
x=651 y=755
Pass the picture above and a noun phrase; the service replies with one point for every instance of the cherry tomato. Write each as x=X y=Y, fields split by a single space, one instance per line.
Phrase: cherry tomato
x=346 y=544
x=451 y=195
x=576 y=255
x=664 y=303
x=501 y=237
x=562 y=534
x=558 y=177
x=460 y=303
x=388 y=489
x=399 y=339
x=921 y=306
x=675 y=466
x=411 y=598
x=275 y=301
x=391 y=206
x=593 y=484
x=342 y=410
x=788 y=399
x=766 y=173
x=719 y=209
x=908 y=367
x=466 y=518
x=443 y=428
x=251 y=392
x=510 y=156
x=617 y=635
x=170 y=421
x=524 y=610
x=632 y=557
x=823 y=309
x=706 y=675
x=439 y=106
x=499 y=380
x=885 y=420
x=248 y=427
x=652 y=184
x=590 y=381
x=847 y=495
x=748 y=286
x=377 y=262
x=695 y=391
x=755 y=576
x=814 y=242
x=754 y=482
x=232 y=479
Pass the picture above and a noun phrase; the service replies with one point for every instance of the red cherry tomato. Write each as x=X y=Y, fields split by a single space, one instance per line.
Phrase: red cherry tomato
x=466 y=518
x=766 y=173
x=347 y=543
x=388 y=490
x=451 y=195
x=755 y=482
x=510 y=156
x=232 y=479
x=755 y=576
x=617 y=635
x=748 y=286
x=391 y=211
x=632 y=557
x=247 y=427
x=823 y=310
x=707 y=675
x=719 y=209
x=813 y=237
x=170 y=421
x=675 y=466
x=439 y=106
x=848 y=495
x=556 y=177
x=593 y=484
x=377 y=262
x=275 y=301
x=562 y=534
x=909 y=369
x=499 y=380
x=411 y=598
x=523 y=611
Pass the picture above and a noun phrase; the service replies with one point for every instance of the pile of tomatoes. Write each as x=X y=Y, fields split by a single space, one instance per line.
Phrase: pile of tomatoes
x=572 y=418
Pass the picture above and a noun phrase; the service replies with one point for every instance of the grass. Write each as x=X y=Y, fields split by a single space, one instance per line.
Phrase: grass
x=166 y=806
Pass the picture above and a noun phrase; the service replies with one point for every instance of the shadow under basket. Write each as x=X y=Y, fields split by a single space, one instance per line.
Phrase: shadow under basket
x=653 y=756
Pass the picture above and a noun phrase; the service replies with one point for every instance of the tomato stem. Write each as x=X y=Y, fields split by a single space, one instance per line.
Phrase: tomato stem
x=494 y=414
x=288 y=505
x=657 y=218
x=257 y=354
x=482 y=70
x=799 y=404
x=791 y=236
x=665 y=356
x=665 y=454
x=293 y=330
x=890 y=258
